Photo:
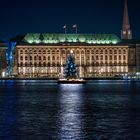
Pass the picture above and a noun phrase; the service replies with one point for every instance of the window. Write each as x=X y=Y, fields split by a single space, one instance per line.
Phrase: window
x=115 y=51
x=119 y=51
x=88 y=52
x=26 y=58
x=53 y=52
x=97 y=57
x=30 y=57
x=21 y=51
x=119 y=57
x=39 y=57
x=39 y=51
x=48 y=57
x=21 y=57
x=106 y=57
x=124 y=51
x=101 y=52
x=35 y=58
x=124 y=57
x=57 y=51
x=26 y=51
x=101 y=57
x=44 y=51
x=26 y=64
x=44 y=64
x=115 y=57
x=44 y=58
x=35 y=64
x=21 y=64
x=40 y=64
x=53 y=58
x=97 y=51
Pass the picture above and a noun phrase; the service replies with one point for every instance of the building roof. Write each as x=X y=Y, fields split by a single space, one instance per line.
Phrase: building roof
x=53 y=39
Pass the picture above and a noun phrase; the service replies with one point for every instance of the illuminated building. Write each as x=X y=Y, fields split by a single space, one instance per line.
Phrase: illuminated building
x=2 y=59
x=96 y=55
x=45 y=55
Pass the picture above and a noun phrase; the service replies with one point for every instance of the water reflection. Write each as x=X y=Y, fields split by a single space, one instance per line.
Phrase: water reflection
x=70 y=108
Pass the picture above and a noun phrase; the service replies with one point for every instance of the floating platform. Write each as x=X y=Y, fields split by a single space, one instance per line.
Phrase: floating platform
x=71 y=81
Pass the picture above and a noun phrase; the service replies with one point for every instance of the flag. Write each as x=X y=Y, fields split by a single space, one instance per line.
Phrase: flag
x=65 y=26
x=74 y=26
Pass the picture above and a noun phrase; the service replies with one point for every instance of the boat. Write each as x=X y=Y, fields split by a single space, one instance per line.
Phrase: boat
x=71 y=81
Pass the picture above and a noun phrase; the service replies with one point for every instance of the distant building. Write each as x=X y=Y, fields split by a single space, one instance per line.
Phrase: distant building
x=138 y=57
x=126 y=32
x=3 y=62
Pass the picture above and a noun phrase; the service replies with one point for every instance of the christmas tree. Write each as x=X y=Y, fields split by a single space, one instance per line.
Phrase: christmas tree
x=70 y=70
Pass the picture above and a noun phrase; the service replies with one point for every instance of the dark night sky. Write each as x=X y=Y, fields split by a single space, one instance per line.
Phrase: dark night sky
x=91 y=16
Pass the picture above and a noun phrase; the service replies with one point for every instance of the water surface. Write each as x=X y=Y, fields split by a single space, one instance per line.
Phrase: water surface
x=41 y=110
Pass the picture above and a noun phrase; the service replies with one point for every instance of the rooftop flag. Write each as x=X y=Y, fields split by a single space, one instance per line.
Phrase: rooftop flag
x=75 y=27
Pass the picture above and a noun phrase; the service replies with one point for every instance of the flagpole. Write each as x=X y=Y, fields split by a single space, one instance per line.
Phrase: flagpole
x=76 y=29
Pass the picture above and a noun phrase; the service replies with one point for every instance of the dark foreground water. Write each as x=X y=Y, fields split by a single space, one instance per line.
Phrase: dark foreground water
x=38 y=110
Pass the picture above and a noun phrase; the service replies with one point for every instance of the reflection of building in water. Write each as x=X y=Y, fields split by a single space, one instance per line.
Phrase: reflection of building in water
x=2 y=59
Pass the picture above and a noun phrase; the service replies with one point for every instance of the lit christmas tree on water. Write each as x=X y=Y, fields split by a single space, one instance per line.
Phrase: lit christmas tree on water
x=70 y=70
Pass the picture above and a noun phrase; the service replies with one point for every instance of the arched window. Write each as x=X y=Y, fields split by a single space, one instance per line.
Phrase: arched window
x=40 y=64
x=119 y=51
x=21 y=57
x=39 y=57
x=44 y=58
x=44 y=64
x=48 y=58
x=115 y=51
x=97 y=51
x=21 y=64
x=53 y=58
x=57 y=51
x=39 y=51
x=26 y=58
x=49 y=51
x=35 y=64
x=35 y=58
x=26 y=51
x=30 y=57
x=44 y=51
x=124 y=51
x=53 y=52
x=101 y=52
x=88 y=51
x=110 y=51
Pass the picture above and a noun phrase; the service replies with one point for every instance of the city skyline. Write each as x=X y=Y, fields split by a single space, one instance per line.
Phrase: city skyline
x=38 y=17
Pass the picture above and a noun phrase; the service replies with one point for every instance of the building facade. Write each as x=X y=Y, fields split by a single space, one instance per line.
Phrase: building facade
x=3 y=62
x=45 y=55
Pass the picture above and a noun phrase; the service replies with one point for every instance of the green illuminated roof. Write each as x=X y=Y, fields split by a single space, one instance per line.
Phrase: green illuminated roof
x=71 y=38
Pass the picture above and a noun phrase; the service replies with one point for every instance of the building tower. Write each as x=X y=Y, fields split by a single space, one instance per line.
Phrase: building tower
x=126 y=32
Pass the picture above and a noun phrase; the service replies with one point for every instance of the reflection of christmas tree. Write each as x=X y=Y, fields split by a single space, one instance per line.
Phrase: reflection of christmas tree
x=70 y=68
